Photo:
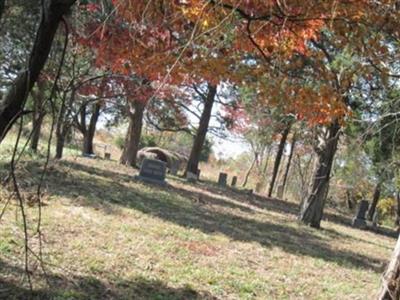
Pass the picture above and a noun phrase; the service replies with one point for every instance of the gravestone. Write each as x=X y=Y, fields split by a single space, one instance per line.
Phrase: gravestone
x=248 y=191
x=280 y=191
x=375 y=219
x=153 y=171
x=222 y=179
x=259 y=187
x=173 y=170
x=359 y=220
x=191 y=177
x=89 y=155
x=234 y=181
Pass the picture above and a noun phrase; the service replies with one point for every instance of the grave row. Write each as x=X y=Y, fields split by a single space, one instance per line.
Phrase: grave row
x=154 y=171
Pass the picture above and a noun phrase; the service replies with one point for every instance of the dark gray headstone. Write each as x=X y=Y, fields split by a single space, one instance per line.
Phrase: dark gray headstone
x=362 y=209
x=222 y=179
x=191 y=177
x=375 y=219
x=281 y=190
x=359 y=220
x=153 y=171
x=234 y=181
x=173 y=170
x=248 y=191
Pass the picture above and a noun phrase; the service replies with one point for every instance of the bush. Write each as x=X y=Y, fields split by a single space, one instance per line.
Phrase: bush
x=119 y=141
x=387 y=207
x=147 y=141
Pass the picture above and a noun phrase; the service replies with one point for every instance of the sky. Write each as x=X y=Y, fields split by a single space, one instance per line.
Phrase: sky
x=228 y=148
x=225 y=145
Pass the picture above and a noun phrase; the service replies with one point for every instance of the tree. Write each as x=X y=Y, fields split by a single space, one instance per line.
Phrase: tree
x=64 y=119
x=200 y=138
x=278 y=158
x=135 y=114
x=38 y=114
x=312 y=208
x=11 y=106
x=176 y=50
x=2 y=6
x=390 y=288
x=180 y=42
x=383 y=146
x=94 y=98
x=139 y=92
x=292 y=149
x=88 y=130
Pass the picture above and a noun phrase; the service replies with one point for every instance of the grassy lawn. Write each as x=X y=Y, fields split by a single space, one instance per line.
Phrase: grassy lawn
x=107 y=236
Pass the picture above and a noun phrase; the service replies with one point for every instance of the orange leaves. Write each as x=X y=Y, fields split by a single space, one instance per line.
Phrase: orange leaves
x=152 y=38
x=317 y=107
x=312 y=103
x=197 y=40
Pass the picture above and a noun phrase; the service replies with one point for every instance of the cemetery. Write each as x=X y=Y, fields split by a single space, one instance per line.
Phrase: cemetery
x=196 y=149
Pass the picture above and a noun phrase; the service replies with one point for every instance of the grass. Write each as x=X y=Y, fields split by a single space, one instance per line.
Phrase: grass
x=107 y=236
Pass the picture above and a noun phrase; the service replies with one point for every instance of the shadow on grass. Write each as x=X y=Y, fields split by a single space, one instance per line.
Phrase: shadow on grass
x=80 y=287
x=271 y=204
x=286 y=207
x=163 y=202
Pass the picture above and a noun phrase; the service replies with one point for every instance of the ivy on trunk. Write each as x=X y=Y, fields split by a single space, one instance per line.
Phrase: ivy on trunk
x=312 y=208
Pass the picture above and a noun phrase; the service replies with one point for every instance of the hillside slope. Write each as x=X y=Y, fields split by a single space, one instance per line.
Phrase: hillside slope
x=107 y=236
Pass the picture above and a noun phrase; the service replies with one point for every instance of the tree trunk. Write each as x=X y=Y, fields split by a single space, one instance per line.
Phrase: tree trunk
x=390 y=289
x=285 y=177
x=60 y=142
x=60 y=130
x=265 y=169
x=38 y=115
x=398 y=209
x=11 y=106
x=312 y=208
x=88 y=133
x=37 y=128
x=63 y=124
x=278 y=159
x=246 y=178
x=375 y=199
x=198 y=143
x=349 y=199
x=2 y=7
x=133 y=135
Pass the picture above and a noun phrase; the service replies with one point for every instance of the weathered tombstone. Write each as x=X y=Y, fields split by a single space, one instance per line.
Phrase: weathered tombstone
x=222 y=179
x=280 y=191
x=359 y=220
x=191 y=177
x=375 y=219
x=107 y=153
x=234 y=181
x=259 y=186
x=173 y=170
x=89 y=155
x=248 y=191
x=153 y=171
